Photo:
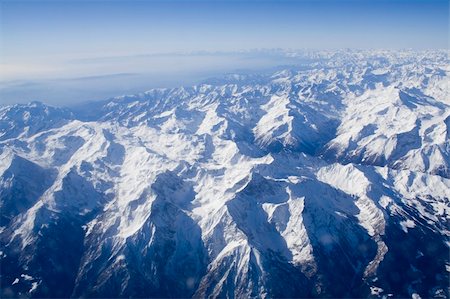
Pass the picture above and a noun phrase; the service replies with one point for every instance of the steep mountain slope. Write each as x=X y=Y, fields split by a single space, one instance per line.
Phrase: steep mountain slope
x=27 y=120
x=324 y=180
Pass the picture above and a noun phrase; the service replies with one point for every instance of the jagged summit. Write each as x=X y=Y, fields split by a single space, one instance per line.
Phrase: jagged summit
x=328 y=179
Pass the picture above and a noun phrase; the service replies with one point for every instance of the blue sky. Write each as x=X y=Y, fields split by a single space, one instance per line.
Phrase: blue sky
x=52 y=39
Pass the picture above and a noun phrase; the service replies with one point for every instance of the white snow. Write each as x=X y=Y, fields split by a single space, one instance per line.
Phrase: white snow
x=376 y=291
x=34 y=286
x=253 y=164
x=26 y=277
x=407 y=224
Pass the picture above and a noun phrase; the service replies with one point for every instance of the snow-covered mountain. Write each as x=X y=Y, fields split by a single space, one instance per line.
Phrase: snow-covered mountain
x=326 y=179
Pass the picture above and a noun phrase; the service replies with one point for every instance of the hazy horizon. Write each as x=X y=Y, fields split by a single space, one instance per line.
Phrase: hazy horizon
x=65 y=52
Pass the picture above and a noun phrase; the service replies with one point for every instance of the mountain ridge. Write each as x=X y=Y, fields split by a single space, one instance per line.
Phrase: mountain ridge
x=335 y=176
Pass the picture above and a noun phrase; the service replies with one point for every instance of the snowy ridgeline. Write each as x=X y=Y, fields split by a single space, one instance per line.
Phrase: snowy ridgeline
x=329 y=178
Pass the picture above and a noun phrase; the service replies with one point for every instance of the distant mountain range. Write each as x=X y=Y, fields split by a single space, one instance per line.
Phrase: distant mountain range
x=326 y=179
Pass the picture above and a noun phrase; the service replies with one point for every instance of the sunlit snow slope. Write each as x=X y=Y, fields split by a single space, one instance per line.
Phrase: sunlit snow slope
x=327 y=179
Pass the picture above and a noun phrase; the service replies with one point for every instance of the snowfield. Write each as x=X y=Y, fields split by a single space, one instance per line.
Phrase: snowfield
x=326 y=179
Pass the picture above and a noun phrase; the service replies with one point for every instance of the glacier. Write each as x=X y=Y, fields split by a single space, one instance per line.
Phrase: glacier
x=326 y=179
